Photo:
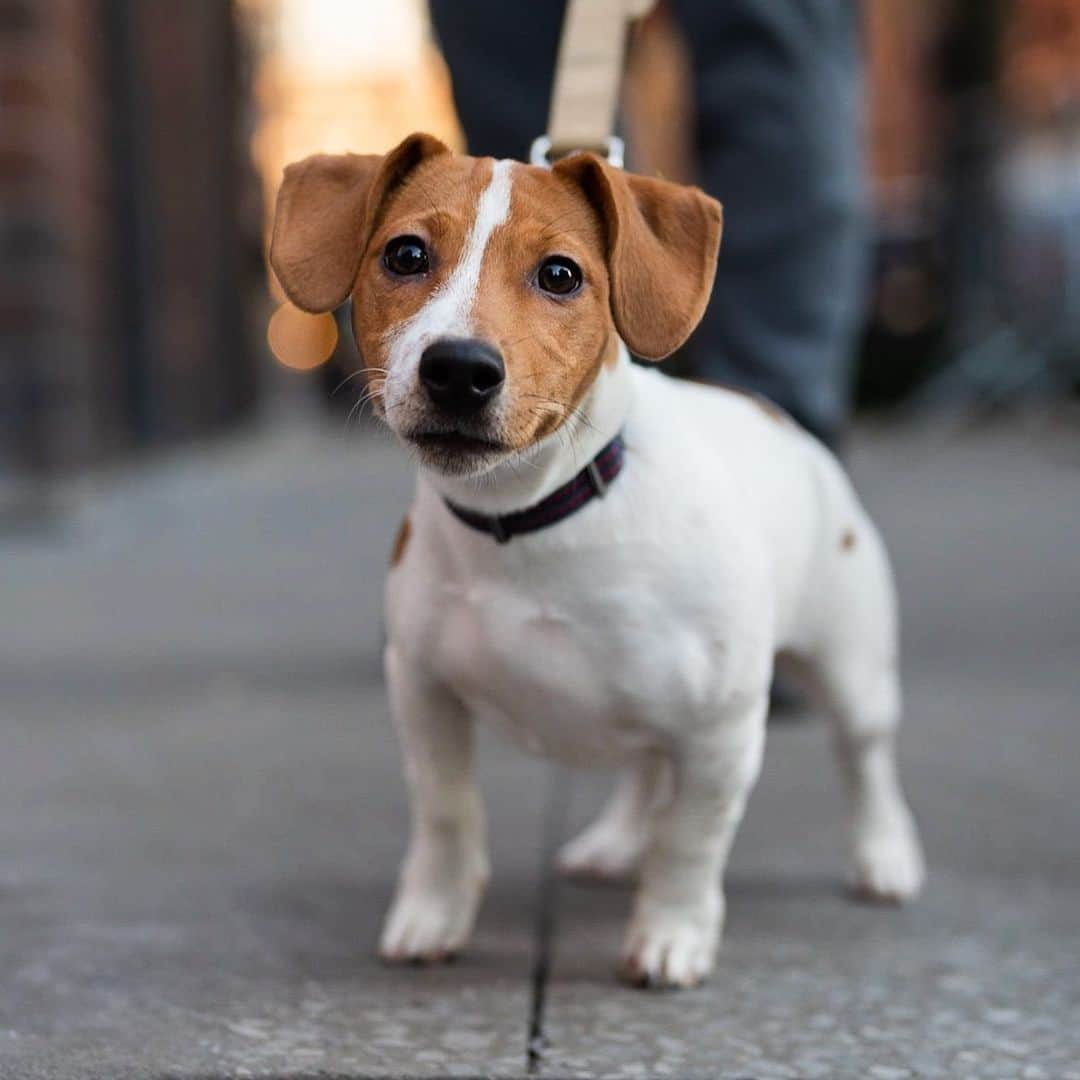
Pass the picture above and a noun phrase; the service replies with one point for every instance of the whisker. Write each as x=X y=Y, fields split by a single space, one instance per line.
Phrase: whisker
x=356 y=374
x=572 y=413
x=365 y=399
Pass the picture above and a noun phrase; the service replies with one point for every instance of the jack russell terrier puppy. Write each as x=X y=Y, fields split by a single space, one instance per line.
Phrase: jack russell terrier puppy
x=600 y=560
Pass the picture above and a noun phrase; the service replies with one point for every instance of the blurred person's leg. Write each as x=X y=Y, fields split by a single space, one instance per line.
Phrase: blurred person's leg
x=778 y=97
x=501 y=57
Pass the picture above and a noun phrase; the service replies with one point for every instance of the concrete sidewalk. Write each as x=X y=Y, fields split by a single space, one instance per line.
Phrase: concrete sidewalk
x=202 y=811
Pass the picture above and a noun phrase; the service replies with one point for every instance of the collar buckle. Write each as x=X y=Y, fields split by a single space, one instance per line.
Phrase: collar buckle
x=596 y=479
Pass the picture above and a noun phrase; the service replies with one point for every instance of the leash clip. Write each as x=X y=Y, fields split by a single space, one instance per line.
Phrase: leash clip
x=540 y=151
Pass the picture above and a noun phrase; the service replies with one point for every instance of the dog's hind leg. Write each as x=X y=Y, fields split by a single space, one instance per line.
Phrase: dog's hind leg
x=857 y=668
x=887 y=862
x=611 y=847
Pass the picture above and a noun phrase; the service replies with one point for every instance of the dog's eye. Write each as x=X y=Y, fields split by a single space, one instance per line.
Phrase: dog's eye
x=559 y=275
x=405 y=256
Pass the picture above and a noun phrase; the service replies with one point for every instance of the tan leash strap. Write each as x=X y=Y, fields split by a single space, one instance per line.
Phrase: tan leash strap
x=588 y=73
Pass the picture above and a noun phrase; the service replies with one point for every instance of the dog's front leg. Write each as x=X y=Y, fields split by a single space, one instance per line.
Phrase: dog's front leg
x=678 y=912
x=446 y=868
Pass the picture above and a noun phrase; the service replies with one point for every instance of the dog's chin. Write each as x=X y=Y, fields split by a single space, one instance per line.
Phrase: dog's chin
x=456 y=454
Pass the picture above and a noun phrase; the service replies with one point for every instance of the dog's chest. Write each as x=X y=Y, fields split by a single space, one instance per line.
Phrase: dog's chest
x=579 y=675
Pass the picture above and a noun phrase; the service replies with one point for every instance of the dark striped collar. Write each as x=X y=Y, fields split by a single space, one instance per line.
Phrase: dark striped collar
x=591 y=483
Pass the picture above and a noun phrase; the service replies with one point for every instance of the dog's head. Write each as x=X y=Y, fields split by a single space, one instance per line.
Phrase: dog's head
x=488 y=295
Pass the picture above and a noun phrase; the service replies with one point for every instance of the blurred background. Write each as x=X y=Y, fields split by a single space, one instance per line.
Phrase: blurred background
x=141 y=144
x=201 y=807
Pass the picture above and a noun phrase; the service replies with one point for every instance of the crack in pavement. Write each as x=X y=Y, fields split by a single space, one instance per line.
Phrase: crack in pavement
x=547 y=905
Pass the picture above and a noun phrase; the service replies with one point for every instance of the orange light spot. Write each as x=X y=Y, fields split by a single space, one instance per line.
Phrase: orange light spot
x=301 y=341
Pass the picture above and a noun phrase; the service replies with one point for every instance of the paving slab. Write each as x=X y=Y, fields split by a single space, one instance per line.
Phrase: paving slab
x=982 y=976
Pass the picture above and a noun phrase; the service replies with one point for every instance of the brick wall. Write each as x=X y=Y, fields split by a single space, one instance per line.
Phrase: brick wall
x=127 y=266
x=52 y=247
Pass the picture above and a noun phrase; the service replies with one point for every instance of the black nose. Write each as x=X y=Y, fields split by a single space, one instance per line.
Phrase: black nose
x=461 y=374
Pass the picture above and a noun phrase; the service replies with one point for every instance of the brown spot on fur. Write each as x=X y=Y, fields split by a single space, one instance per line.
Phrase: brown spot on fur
x=771 y=409
x=847 y=541
x=401 y=542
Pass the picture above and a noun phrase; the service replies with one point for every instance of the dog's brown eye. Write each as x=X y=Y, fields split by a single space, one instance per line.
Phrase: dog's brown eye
x=559 y=275
x=405 y=256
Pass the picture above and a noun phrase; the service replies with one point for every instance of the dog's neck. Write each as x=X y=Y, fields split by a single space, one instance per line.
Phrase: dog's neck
x=531 y=476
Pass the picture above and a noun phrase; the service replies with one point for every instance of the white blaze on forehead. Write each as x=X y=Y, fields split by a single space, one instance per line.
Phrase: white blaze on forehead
x=448 y=312
x=454 y=300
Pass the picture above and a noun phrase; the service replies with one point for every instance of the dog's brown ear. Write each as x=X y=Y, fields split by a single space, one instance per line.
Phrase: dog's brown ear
x=662 y=241
x=326 y=210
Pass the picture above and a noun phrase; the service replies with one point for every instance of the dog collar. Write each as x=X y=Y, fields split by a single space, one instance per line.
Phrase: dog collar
x=591 y=483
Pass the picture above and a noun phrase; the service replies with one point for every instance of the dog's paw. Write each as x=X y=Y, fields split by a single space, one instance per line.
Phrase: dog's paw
x=428 y=926
x=672 y=948
x=603 y=852
x=888 y=863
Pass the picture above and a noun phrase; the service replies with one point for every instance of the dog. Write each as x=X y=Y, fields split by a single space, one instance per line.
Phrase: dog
x=600 y=560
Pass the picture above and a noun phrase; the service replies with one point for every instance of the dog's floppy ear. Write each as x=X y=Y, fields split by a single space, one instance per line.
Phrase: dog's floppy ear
x=327 y=207
x=662 y=240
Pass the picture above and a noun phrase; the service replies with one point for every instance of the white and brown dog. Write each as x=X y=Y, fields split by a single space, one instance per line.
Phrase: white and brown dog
x=600 y=560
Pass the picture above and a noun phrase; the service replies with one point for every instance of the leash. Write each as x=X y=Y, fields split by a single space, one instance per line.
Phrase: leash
x=588 y=73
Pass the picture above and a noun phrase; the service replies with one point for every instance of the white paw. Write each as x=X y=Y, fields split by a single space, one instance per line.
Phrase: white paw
x=672 y=948
x=888 y=863
x=603 y=852
x=429 y=925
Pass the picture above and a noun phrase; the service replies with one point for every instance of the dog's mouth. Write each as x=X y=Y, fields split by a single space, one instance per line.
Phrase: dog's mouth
x=456 y=451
